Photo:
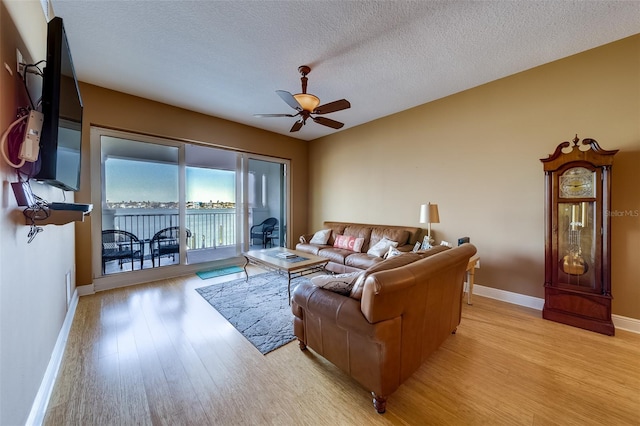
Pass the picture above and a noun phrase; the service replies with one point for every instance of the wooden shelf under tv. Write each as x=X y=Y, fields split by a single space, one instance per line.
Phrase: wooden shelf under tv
x=55 y=217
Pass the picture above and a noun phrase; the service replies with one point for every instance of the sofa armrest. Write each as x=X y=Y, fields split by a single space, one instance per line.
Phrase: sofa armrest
x=342 y=310
x=304 y=239
x=388 y=294
x=384 y=295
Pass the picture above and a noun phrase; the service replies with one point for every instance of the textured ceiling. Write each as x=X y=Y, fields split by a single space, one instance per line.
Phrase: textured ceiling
x=227 y=58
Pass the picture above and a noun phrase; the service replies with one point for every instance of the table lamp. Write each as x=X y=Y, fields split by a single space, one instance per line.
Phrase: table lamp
x=429 y=215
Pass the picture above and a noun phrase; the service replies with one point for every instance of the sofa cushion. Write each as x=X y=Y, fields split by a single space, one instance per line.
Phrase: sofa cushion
x=358 y=231
x=394 y=262
x=311 y=248
x=321 y=237
x=349 y=243
x=362 y=260
x=340 y=283
x=335 y=255
x=336 y=229
x=393 y=234
x=381 y=247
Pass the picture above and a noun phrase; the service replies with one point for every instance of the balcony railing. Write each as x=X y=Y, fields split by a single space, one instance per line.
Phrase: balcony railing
x=208 y=229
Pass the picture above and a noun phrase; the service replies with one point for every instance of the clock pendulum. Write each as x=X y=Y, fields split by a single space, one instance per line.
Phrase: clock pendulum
x=573 y=263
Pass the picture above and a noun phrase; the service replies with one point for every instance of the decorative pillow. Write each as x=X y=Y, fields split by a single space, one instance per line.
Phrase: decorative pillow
x=381 y=247
x=358 y=286
x=341 y=283
x=357 y=245
x=392 y=252
x=321 y=237
x=349 y=243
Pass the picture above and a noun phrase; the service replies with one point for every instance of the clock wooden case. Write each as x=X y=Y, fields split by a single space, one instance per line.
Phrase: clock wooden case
x=577 y=278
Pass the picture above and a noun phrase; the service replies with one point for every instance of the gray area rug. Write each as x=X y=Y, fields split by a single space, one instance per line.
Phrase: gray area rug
x=258 y=308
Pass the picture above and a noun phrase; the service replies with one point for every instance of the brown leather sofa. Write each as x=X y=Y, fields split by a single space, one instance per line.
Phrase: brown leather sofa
x=405 y=313
x=341 y=260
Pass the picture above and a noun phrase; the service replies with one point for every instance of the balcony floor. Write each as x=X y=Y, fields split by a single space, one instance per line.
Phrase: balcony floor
x=193 y=256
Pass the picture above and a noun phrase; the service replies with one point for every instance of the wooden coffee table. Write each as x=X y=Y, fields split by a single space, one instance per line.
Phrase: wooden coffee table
x=300 y=265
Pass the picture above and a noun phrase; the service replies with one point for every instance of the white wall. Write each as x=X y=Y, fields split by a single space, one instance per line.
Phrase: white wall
x=33 y=291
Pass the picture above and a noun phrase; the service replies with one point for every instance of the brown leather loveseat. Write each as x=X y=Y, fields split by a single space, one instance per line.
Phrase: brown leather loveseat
x=404 y=314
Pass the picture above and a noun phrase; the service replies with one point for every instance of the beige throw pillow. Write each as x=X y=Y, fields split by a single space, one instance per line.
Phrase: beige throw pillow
x=321 y=237
x=381 y=247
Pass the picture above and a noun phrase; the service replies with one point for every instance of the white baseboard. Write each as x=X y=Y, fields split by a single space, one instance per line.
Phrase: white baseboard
x=620 y=322
x=85 y=290
x=626 y=323
x=508 y=296
x=41 y=401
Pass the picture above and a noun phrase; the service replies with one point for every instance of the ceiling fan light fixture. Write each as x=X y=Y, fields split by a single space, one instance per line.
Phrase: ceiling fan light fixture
x=307 y=101
x=306 y=104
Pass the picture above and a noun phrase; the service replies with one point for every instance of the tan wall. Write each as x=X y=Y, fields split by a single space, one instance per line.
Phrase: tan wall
x=107 y=108
x=476 y=154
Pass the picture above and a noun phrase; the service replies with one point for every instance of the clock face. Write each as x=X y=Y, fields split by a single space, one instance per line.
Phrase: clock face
x=578 y=182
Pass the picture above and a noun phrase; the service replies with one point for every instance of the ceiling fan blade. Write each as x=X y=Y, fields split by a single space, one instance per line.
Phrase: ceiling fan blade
x=328 y=122
x=274 y=115
x=333 y=107
x=289 y=99
x=297 y=126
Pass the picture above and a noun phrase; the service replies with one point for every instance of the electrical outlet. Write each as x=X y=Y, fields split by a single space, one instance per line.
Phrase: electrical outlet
x=67 y=281
x=19 y=61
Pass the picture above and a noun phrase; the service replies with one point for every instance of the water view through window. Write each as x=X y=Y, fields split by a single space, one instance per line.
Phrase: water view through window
x=146 y=188
x=156 y=184
x=141 y=198
x=141 y=204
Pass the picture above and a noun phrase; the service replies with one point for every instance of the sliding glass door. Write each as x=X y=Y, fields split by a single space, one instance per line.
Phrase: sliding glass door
x=267 y=213
x=162 y=203
x=140 y=205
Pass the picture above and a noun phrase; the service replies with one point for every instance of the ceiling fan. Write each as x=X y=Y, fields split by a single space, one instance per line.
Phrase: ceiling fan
x=307 y=104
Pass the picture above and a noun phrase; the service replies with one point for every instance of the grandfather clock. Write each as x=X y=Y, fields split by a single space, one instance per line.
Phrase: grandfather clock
x=577 y=277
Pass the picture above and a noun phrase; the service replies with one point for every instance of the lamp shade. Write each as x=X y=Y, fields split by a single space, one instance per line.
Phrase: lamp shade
x=429 y=213
x=307 y=101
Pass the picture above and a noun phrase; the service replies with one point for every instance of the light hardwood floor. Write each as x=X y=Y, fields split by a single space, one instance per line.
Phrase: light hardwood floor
x=159 y=354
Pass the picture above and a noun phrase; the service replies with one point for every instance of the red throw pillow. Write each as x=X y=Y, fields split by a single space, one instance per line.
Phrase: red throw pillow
x=349 y=243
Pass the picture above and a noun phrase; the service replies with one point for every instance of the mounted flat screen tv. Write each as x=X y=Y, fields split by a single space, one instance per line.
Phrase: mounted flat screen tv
x=61 y=137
